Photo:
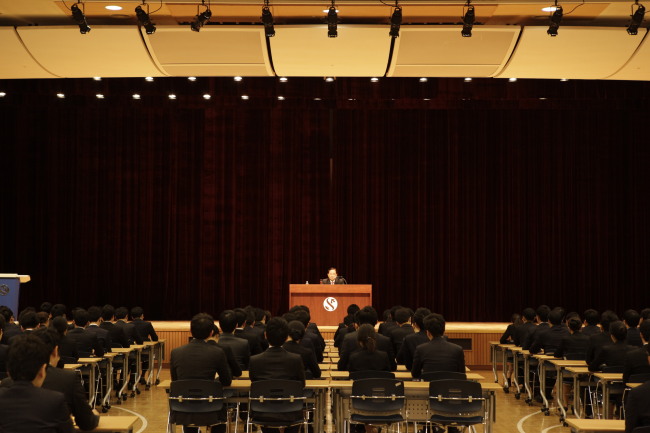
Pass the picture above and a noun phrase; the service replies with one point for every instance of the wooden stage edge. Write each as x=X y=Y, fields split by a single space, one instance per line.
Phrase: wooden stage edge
x=477 y=335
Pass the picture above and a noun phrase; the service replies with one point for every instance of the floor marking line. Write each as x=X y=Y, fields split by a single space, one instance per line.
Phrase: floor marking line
x=142 y=418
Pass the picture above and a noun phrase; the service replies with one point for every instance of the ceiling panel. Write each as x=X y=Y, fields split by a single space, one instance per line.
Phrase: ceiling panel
x=306 y=51
x=441 y=51
x=577 y=52
x=216 y=51
x=15 y=60
x=107 y=51
x=638 y=67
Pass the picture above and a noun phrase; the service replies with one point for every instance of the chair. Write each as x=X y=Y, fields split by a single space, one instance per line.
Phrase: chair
x=196 y=403
x=377 y=401
x=456 y=403
x=441 y=375
x=371 y=374
x=276 y=403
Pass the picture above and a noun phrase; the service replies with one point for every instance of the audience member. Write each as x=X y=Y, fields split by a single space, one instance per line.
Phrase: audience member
x=296 y=334
x=365 y=315
x=407 y=350
x=240 y=347
x=438 y=354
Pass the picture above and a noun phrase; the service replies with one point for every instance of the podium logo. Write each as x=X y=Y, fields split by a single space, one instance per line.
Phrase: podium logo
x=4 y=290
x=330 y=304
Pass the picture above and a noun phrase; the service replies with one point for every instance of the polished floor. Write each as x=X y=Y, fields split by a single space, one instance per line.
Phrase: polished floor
x=512 y=415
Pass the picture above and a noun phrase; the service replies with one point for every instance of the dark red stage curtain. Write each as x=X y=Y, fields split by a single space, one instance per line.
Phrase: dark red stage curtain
x=472 y=211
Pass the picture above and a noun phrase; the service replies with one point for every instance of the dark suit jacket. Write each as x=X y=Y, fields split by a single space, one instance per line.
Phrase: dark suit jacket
x=144 y=330
x=200 y=360
x=398 y=334
x=3 y=360
x=235 y=369
x=350 y=345
x=338 y=280
x=240 y=349
x=590 y=330
x=10 y=330
x=69 y=383
x=549 y=339
x=312 y=370
x=276 y=363
x=85 y=341
x=611 y=356
x=25 y=408
x=574 y=345
x=521 y=333
x=637 y=408
x=636 y=362
x=362 y=360
x=253 y=340
x=340 y=335
x=438 y=355
x=407 y=350
x=315 y=344
x=634 y=337
x=386 y=327
x=532 y=334
x=103 y=336
x=596 y=343
x=129 y=331
x=116 y=332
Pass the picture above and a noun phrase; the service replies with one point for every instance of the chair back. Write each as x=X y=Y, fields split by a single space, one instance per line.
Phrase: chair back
x=195 y=396
x=277 y=396
x=441 y=375
x=377 y=395
x=613 y=369
x=455 y=398
x=371 y=374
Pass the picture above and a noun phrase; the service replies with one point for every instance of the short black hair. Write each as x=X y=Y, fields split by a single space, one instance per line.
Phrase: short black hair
x=42 y=317
x=46 y=306
x=435 y=324
x=241 y=316
x=58 y=310
x=393 y=310
x=543 y=312
x=302 y=316
x=94 y=313
x=574 y=324
x=632 y=318
x=28 y=320
x=419 y=315
x=228 y=321
x=366 y=315
x=403 y=315
x=529 y=314
x=606 y=318
x=277 y=331
x=81 y=317
x=136 y=312
x=201 y=326
x=108 y=312
x=644 y=329
x=296 y=330
x=289 y=317
x=352 y=308
x=645 y=314
x=49 y=336
x=591 y=317
x=556 y=316
x=618 y=330
x=27 y=355
x=3 y=322
x=121 y=313
x=6 y=313
x=59 y=324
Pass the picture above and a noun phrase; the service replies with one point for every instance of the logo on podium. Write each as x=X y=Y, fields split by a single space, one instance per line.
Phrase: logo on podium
x=4 y=291
x=330 y=304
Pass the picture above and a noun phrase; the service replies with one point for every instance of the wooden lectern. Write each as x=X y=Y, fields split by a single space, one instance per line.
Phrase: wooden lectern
x=328 y=302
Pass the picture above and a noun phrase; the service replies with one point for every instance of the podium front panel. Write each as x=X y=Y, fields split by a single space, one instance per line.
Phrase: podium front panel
x=328 y=303
x=9 y=293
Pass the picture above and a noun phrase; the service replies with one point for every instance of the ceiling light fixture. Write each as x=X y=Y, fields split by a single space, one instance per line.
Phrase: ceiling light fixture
x=135 y=96
x=97 y=78
x=468 y=20
x=244 y=97
x=329 y=79
x=423 y=80
x=149 y=79
x=144 y=19
x=237 y=78
x=637 y=19
x=555 y=21
x=172 y=96
x=191 y=78
x=202 y=18
x=395 y=21
x=332 y=21
x=283 y=79
x=374 y=79
x=80 y=18
x=280 y=98
x=267 y=20
x=100 y=96
x=207 y=96
x=2 y=94
x=60 y=95
x=113 y=7
x=468 y=80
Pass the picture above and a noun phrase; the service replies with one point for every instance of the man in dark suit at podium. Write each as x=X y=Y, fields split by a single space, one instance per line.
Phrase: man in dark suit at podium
x=333 y=278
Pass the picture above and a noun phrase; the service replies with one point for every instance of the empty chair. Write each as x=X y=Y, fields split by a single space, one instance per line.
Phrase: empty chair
x=456 y=403
x=197 y=403
x=377 y=402
x=276 y=403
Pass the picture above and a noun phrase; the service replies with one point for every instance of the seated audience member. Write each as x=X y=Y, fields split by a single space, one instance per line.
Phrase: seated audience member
x=86 y=342
x=637 y=408
x=548 y=340
x=67 y=347
x=25 y=406
x=631 y=318
x=277 y=363
x=636 y=361
x=527 y=326
x=541 y=315
x=45 y=307
x=3 y=350
x=251 y=329
x=28 y=321
x=368 y=358
x=344 y=327
x=645 y=314
x=121 y=316
x=143 y=329
x=573 y=346
x=117 y=334
x=199 y=360
x=67 y=382
x=304 y=317
x=240 y=347
x=215 y=338
x=296 y=333
x=388 y=318
x=43 y=319
x=11 y=328
x=591 y=323
x=365 y=315
x=612 y=355
x=508 y=336
x=59 y=310
x=598 y=341
x=402 y=330
x=240 y=332
x=95 y=319
x=438 y=354
x=407 y=349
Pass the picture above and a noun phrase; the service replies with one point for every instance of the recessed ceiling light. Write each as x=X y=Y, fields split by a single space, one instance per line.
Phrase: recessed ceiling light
x=549 y=9
x=326 y=11
x=317 y=99
x=244 y=97
x=97 y=78
x=329 y=79
x=423 y=80
x=283 y=79
x=207 y=96
x=512 y=80
x=2 y=94
x=172 y=96
x=113 y=7
x=564 y=79
x=191 y=78
x=542 y=99
x=468 y=79
x=351 y=99
x=135 y=96
x=99 y=96
x=374 y=79
x=238 y=78
x=426 y=99
x=60 y=95
x=280 y=98
x=150 y=79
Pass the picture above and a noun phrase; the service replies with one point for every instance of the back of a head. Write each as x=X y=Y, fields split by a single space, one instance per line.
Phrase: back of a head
x=352 y=309
x=418 y=319
x=27 y=355
x=81 y=317
x=302 y=316
x=228 y=321
x=348 y=320
x=571 y=315
x=108 y=312
x=277 y=331
x=259 y=314
x=556 y=316
x=529 y=314
x=543 y=312
x=6 y=313
x=49 y=336
x=121 y=313
x=632 y=318
x=515 y=319
x=59 y=324
x=28 y=320
x=403 y=315
x=385 y=316
x=574 y=324
x=289 y=317
x=3 y=322
x=250 y=315
x=58 y=310
x=393 y=310
x=46 y=307
x=618 y=330
x=94 y=313
x=645 y=314
x=591 y=317
x=366 y=337
x=42 y=317
x=366 y=315
x=435 y=324
x=644 y=329
x=607 y=318
x=241 y=316
x=296 y=330
x=201 y=326
x=136 y=312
